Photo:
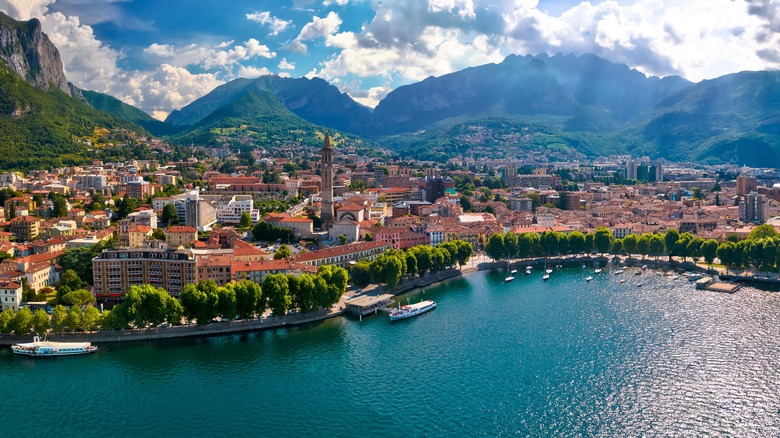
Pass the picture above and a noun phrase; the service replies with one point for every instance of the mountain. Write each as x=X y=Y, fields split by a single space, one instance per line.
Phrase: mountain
x=314 y=100
x=731 y=118
x=42 y=124
x=116 y=107
x=30 y=54
x=587 y=93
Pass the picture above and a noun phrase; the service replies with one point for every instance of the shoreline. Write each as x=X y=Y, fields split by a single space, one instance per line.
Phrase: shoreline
x=276 y=322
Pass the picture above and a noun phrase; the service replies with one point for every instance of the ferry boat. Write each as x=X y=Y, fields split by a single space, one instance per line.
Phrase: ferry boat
x=410 y=310
x=38 y=348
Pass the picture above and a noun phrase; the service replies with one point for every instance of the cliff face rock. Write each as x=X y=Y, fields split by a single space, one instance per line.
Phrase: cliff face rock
x=30 y=53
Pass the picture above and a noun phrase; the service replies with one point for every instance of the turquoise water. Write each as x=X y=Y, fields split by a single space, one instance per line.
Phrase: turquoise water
x=556 y=358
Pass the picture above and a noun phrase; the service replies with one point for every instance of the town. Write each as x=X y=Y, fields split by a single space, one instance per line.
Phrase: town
x=225 y=218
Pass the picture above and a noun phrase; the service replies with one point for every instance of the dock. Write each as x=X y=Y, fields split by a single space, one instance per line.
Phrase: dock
x=708 y=283
x=368 y=303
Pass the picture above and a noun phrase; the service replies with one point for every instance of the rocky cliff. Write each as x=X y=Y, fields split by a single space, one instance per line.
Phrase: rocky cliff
x=30 y=53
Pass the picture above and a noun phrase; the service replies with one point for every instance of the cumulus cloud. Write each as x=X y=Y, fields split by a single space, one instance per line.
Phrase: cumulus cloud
x=252 y=72
x=265 y=18
x=319 y=27
x=284 y=65
x=207 y=57
x=327 y=3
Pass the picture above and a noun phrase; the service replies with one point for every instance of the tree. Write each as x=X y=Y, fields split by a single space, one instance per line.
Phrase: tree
x=709 y=250
x=74 y=317
x=576 y=242
x=630 y=244
x=643 y=245
x=71 y=279
x=245 y=221
x=40 y=322
x=342 y=239
x=602 y=239
x=169 y=215
x=617 y=246
x=58 y=315
x=90 y=319
x=656 y=245
x=368 y=237
x=361 y=274
x=465 y=203
x=670 y=239
x=276 y=292
x=494 y=247
x=60 y=207
x=247 y=295
x=5 y=321
x=227 y=304
x=763 y=231
x=79 y=298
x=158 y=234
x=23 y=321
x=464 y=252
x=550 y=243
x=386 y=269
x=282 y=253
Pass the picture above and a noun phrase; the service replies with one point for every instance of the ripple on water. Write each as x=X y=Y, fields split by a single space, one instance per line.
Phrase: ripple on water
x=556 y=358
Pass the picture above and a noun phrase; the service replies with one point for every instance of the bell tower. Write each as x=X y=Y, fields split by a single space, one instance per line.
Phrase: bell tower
x=326 y=171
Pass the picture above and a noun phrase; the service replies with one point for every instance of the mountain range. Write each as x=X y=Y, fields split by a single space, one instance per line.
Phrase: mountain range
x=565 y=105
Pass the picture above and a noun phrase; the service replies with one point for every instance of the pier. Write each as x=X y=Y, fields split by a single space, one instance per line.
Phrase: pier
x=368 y=303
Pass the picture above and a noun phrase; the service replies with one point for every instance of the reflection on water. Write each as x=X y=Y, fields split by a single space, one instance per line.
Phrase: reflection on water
x=563 y=357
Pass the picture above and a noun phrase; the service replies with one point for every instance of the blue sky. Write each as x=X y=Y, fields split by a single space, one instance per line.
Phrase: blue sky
x=160 y=55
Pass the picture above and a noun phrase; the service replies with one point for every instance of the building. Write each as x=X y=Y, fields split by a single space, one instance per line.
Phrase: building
x=198 y=213
x=257 y=270
x=301 y=226
x=214 y=267
x=180 y=235
x=137 y=236
x=326 y=171
x=139 y=189
x=752 y=208
x=344 y=254
x=746 y=184
x=520 y=204
x=115 y=271
x=229 y=213
x=26 y=228
x=10 y=294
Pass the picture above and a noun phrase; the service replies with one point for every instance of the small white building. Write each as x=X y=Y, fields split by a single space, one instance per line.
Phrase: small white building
x=230 y=212
x=10 y=294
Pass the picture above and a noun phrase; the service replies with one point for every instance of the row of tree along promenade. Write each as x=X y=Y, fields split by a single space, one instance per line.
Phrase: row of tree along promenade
x=205 y=308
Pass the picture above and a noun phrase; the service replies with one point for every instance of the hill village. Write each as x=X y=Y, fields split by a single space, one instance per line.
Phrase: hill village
x=149 y=222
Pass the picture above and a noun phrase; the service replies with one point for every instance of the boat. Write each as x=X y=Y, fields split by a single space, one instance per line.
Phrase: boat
x=622 y=281
x=39 y=348
x=589 y=278
x=513 y=272
x=597 y=271
x=619 y=271
x=644 y=267
x=508 y=279
x=410 y=310
x=639 y=285
x=549 y=271
x=546 y=277
x=694 y=277
x=638 y=272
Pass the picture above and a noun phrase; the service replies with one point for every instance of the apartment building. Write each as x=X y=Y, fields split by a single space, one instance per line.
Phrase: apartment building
x=115 y=271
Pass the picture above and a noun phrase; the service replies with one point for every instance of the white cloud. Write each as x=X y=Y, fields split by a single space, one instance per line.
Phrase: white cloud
x=317 y=28
x=252 y=72
x=327 y=3
x=265 y=18
x=284 y=65
x=206 y=57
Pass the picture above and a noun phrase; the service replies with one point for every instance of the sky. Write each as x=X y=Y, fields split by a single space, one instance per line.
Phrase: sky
x=160 y=55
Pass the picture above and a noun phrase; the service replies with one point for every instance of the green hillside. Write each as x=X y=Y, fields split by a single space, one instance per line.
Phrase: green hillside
x=112 y=105
x=39 y=128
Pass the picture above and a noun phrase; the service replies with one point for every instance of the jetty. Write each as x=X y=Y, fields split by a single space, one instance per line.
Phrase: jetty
x=710 y=284
x=368 y=303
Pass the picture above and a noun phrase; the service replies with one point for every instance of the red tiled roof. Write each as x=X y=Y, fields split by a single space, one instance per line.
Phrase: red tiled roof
x=339 y=251
x=182 y=229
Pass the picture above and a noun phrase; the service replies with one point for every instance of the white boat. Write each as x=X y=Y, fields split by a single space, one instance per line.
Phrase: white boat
x=644 y=267
x=44 y=348
x=528 y=270
x=639 y=285
x=597 y=271
x=513 y=271
x=546 y=277
x=589 y=278
x=410 y=310
x=549 y=271
x=508 y=279
x=622 y=281
x=619 y=271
